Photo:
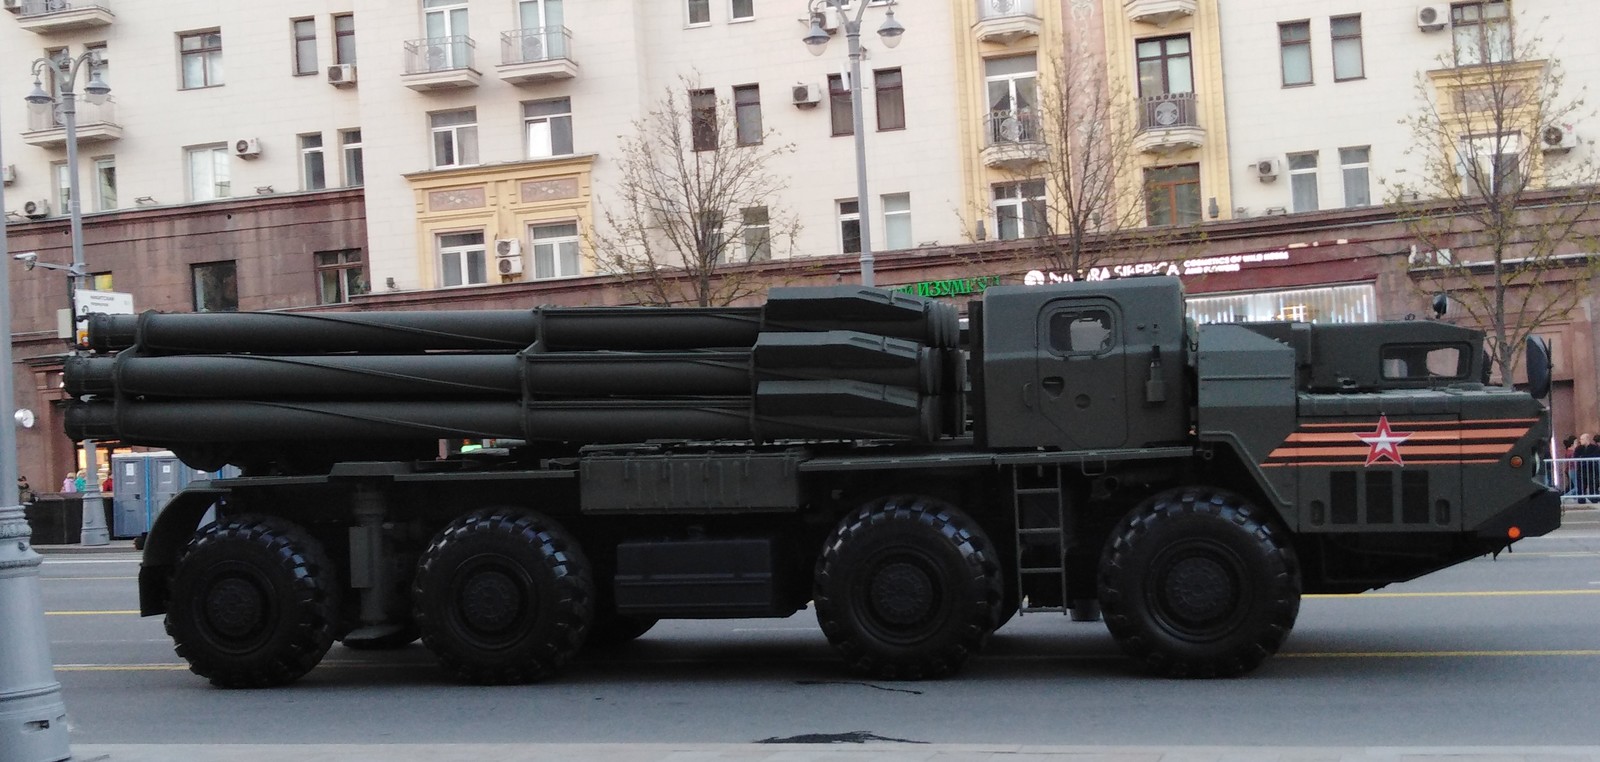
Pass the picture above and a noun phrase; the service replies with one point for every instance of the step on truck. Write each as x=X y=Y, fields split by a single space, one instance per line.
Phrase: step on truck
x=1079 y=448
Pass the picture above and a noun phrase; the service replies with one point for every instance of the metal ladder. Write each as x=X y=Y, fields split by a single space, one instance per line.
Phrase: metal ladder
x=1043 y=490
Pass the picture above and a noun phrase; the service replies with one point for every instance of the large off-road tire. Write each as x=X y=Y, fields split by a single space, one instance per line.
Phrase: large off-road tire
x=503 y=596
x=253 y=603
x=1196 y=582
x=907 y=588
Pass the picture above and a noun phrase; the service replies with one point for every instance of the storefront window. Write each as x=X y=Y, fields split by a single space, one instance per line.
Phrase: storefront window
x=1328 y=304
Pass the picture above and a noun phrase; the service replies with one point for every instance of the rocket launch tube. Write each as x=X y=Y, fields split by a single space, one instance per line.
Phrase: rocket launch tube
x=418 y=377
x=616 y=328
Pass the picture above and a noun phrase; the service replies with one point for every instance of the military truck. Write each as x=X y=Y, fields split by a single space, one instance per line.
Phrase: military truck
x=1079 y=448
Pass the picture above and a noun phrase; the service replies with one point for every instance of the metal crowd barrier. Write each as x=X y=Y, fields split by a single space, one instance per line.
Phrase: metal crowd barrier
x=1577 y=478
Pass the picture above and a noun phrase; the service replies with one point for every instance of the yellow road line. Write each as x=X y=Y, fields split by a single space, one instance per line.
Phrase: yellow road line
x=1434 y=654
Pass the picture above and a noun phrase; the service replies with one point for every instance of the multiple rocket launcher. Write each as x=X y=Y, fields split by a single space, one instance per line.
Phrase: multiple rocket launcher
x=835 y=363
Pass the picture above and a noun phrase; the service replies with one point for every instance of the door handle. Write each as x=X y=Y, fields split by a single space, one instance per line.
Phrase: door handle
x=1053 y=385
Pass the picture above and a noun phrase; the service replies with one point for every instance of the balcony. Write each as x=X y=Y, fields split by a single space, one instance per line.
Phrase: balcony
x=1012 y=140
x=1169 y=123
x=538 y=55
x=440 y=63
x=1006 y=21
x=1158 y=12
x=97 y=123
x=51 y=16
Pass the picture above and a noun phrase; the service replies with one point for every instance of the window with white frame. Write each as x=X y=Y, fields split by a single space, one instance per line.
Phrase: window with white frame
x=555 y=250
x=1012 y=86
x=542 y=26
x=1482 y=32
x=1019 y=209
x=1303 y=181
x=62 y=180
x=747 y=113
x=849 y=226
x=710 y=243
x=699 y=12
x=313 y=165
x=105 y=183
x=891 y=96
x=462 y=259
x=1492 y=164
x=208 y=172
x=1294 y=48
x=1354 y=166
x=304 y=32
x=548 y=126
x=757 y=234
x=355 y=170
x=455 y=138
x=897 y=220
x=1347 y=56
x=201 y=59
x=445 y=22
x=703 y=119
x=742 y=10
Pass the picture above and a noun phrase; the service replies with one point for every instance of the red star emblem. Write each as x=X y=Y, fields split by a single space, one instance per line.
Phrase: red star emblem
x=1384 y=443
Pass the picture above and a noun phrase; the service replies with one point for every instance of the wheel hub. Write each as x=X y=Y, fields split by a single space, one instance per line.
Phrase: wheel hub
x=901 y=594
x=1199 y=590
x=234 y=608
x=490 y=601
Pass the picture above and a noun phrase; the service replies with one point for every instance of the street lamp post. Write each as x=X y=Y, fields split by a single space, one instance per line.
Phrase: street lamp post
x=816 y=40
x=33 y=720
x=65 y=75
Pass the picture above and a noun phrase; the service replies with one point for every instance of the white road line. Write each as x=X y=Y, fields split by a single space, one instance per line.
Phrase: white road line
x=86 y=561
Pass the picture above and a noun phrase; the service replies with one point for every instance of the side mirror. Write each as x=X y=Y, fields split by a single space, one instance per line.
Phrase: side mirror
x=1540 y=364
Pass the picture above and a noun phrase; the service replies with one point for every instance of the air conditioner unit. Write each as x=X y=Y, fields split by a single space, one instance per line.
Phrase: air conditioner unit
x=509 y=265
x=507 y=247
x=15 y=6
x=342 y=75
x=1558 y=138
x=247 y=148
x=36 y=209
x=1266 y=170
x=8 y=173
x=830 y=22
x=806 y=95
x=1433 y=17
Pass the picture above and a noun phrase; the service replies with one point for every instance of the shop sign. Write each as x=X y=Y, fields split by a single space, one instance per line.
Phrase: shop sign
x=1227 y=263
x=950 y=286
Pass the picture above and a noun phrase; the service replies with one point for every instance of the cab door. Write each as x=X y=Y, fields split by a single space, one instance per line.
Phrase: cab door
x=1081 y=384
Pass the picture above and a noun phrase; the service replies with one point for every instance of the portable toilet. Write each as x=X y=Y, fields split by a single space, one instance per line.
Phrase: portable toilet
x=144 y=482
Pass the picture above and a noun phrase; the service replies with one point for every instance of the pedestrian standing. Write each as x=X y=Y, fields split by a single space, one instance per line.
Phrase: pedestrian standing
x=1587 y=458
x=70 y=483
x=24 y=492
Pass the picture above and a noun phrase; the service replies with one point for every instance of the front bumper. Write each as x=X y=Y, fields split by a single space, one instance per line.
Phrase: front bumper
x=1538 y=514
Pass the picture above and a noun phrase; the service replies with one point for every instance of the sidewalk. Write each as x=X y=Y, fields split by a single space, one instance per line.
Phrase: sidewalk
x=875 y=751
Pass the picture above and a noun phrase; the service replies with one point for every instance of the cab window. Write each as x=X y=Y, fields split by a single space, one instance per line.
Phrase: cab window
x=1079 y=332
x=1417 y=362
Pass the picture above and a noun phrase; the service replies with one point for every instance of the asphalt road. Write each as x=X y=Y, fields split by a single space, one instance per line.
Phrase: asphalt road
x=1499 y=652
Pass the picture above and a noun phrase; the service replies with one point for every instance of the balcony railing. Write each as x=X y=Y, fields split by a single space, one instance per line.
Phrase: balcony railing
x=97 y=123
x=1012 y=139
x=49 y=16
x=1006 y=21
x=1169 y=122
x=997 y=9
x=440 y=63
x=539 y=54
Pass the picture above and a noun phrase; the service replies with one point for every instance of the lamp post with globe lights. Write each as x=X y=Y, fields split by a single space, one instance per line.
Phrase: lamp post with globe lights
x=816 y=41
x=64 y=73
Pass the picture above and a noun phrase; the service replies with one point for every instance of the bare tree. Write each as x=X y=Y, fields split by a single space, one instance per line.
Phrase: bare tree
x=694 y=199
x=1502 y=204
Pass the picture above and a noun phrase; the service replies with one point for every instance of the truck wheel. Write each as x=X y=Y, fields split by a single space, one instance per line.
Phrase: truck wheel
x=503 y=596
x=907 y=588
x=253 y=603
x=1194 y=583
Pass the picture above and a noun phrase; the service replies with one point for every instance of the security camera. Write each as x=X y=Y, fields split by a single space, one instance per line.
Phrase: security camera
x=28 y=259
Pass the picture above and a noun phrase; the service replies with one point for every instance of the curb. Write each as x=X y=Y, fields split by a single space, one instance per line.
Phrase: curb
x=115 y=546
